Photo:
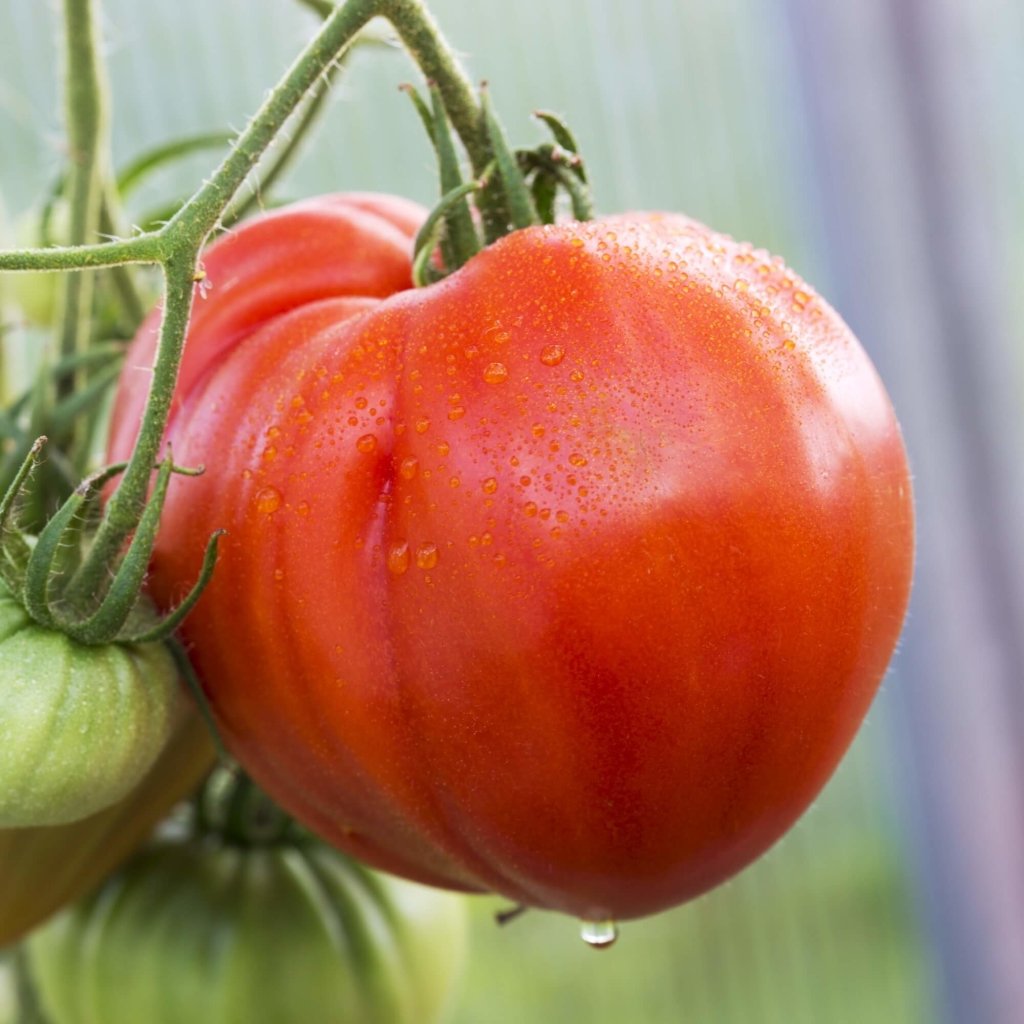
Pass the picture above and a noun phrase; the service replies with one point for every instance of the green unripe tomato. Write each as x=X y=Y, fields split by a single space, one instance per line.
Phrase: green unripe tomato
x=222 y=934
x=51 y=866
x=79 y=725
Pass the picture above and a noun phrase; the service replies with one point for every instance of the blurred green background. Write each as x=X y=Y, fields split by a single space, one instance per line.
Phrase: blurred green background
x=878 y=146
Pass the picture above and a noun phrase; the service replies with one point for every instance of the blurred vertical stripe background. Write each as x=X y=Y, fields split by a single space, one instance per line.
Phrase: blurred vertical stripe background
x=879 y=146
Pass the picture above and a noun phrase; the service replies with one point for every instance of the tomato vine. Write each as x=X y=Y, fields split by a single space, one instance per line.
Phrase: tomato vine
x=175 y=247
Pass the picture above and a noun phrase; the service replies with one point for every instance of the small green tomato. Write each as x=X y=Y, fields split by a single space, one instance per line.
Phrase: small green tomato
x=79 y=725
x=201 y=931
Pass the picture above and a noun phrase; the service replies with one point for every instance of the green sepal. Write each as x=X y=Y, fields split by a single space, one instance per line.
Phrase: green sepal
x=461 y=233
x=421 y=108
x=429 y=233
x=14 y=548
x=545 y=191
x=520 y=205
x=426 y=115
x=550 y=161
x=565 y=138
x=58 y=547
x=106 y=623
x=170 y=622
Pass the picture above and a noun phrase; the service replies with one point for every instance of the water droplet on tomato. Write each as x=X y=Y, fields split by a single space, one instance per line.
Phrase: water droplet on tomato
x=398 y=557
x=367 y=443
x=268 y=499
x=599 y=934
x=408 y=467
x=457 y=413
x=426 y=556
x=422 y=425
x=552 y=355
x=490 y=485
x=495 y=373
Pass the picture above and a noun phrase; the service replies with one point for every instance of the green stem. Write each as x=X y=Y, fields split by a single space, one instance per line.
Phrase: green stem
x=141 y=249
x=438 y=62
x=436 y=59
x=86 y=105
x=284 y=158
x=127 y=502
x=520 y=204
x=201 y=214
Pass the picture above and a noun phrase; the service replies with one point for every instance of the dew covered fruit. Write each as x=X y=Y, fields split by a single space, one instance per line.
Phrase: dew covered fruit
x=571 y=576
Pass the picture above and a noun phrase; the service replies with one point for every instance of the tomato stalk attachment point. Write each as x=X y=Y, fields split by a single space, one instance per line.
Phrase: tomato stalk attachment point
x=526 y=181
x=40 y=572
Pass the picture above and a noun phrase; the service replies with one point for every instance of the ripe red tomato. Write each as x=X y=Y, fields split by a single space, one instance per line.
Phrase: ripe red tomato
x=352 y=244
x=571 y=576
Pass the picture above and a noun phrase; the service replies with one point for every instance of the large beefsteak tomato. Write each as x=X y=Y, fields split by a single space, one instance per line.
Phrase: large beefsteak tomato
x=571 y=576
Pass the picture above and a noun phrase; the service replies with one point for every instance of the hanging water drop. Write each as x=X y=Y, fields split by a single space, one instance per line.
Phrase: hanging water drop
x=599 y=934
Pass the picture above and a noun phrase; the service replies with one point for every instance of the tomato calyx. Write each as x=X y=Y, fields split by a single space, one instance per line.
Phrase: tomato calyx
x=231 y=809
x=518 y=188
x=39 y=570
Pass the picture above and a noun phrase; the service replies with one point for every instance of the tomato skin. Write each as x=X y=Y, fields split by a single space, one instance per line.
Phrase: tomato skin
x=342 y=244
x=570 y=577
x=216 y=933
